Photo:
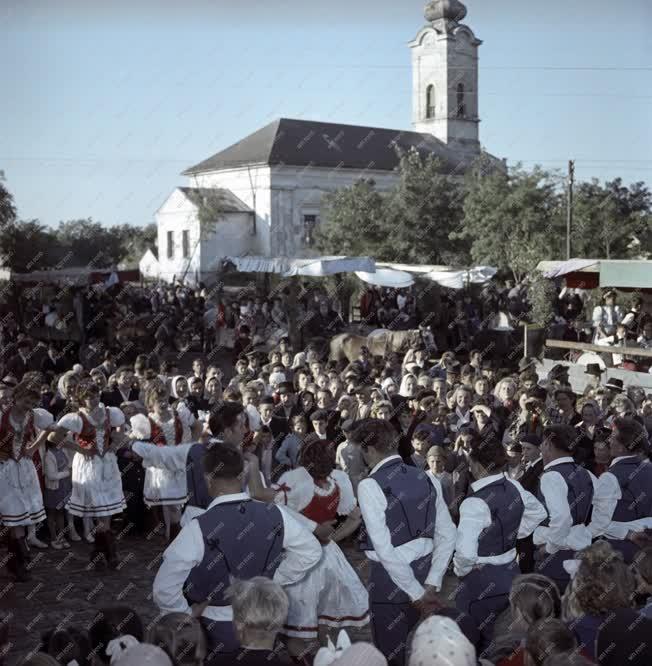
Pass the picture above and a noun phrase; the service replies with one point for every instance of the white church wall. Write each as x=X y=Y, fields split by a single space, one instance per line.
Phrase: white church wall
x=298 y=191
x=252 y=186
x=232 y=237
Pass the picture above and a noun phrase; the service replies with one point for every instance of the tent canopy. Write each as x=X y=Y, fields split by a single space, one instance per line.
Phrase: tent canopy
x=386 y=277
x=591 y=273
x=314 y=267
x=457 y=279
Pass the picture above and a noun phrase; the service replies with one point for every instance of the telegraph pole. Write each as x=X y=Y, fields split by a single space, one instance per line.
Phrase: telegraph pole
x=569 y=211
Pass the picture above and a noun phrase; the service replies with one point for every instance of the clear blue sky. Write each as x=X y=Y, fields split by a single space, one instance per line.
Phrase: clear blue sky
x=102 y=108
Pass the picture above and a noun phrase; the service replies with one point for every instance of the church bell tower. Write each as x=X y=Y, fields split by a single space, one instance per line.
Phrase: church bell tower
x=445 y=77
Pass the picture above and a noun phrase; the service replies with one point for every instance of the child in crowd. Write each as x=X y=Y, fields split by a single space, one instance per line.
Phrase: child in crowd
x=58 y=488
x=288 y=452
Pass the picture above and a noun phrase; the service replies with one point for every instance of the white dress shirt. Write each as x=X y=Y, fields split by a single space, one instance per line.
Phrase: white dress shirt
x=302 y=552
x=475 y=516
x=396 y=560
x=608 y=493
x=561 y=534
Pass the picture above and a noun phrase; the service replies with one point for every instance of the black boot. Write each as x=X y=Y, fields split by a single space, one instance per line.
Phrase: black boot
x=18 y=559
x=99 y=548
x=111 y=550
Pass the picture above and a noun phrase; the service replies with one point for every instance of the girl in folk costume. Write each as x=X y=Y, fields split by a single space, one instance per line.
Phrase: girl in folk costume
x=23 y=428
x=164 y=426
x=96 y=481
x=331 y=594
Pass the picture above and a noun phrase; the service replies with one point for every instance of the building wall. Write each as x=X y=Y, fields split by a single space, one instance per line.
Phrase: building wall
x=298 y=191
x=232 y=237
x=252 y=186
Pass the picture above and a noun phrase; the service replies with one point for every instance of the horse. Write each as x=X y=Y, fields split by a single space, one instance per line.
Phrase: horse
x=379 y=342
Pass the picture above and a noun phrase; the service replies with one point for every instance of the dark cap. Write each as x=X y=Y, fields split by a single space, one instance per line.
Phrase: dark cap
x=285 y=388
x=319 y=415
x=537 y=393
x=558 y=370
x=530 y=438
x=594 y=369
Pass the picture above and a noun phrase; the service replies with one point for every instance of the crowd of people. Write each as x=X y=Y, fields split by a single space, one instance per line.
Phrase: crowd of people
x=502 y=518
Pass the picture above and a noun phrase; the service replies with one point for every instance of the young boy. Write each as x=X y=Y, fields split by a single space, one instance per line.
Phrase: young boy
x=288 y=453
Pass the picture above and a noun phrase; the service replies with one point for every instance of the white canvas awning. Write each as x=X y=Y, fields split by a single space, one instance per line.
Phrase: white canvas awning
x=457 y=279
x=316 y=267
x=386 y=277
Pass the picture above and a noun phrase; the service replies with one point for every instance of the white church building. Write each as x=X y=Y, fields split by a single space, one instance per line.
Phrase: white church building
x=272 y=181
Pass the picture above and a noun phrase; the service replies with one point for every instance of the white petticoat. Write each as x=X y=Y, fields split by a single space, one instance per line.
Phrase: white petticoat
x=331 y=594
x=165 y=487
x=96 y=486
x=21 y=500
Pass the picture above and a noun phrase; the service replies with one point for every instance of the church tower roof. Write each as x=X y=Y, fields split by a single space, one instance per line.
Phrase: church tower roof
x=450 y=10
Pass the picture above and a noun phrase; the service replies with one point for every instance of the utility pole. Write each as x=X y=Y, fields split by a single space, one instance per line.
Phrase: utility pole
x=569 y=211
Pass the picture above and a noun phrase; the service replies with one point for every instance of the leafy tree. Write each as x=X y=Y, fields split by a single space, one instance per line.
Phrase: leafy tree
x=7 y=207
x=28 y=246
x=134 y=241
x=512 y=219
x=425 y=209
x=607 y=218
x=355 y=221
x=89 y=243
x=412 y=222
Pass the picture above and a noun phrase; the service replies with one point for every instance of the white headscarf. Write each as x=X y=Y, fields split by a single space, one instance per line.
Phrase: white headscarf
x=173 y=385
x=438 y=641
x=403 y=389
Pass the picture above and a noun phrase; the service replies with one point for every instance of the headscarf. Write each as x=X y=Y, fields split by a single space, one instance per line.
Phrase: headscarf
x=388 y=381
x=64 y=377
x=403 y=389
x=143 y=654
x=438 y=641
x=345 y=654
x=173 y=385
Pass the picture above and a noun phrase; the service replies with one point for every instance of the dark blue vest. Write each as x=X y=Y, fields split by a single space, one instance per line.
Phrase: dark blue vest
x=242 y=539
x=579 y=495
x=197 y=489
x=411 y=503
x=635 y=481
x=506 y=507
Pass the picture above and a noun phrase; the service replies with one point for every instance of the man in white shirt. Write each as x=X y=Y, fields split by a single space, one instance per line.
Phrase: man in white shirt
x=623 y=509
x=567 y=491
x=235 y=537
x=408 y=536
x=497 y=512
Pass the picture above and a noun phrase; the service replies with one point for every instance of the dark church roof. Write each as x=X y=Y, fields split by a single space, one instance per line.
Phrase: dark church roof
x=330 y=145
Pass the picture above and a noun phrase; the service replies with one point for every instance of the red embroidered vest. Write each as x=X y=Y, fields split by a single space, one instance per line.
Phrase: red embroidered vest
x=323 y=508
x=7 y=434
x=87 y=438
x=156 y=433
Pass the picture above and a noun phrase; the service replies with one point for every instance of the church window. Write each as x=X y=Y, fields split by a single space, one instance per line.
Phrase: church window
x=461 y=104
x=170 y=247
x=185 y=243
x=309 y=224
x=430 y=101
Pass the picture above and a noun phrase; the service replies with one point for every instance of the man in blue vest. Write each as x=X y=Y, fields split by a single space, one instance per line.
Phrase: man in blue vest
x=408 y=536
x=567 y=491
x=625 y=490
x=235 y=538
x=497 y=512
